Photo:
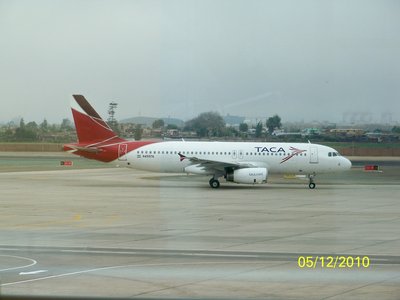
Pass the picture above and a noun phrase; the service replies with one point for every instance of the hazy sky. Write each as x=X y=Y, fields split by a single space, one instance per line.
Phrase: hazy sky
x=304 y=60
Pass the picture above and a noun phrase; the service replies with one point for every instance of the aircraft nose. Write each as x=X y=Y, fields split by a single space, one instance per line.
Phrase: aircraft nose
x=344 y=163
x=347 y=163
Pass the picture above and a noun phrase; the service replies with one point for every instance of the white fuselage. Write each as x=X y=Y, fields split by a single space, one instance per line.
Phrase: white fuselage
x=298 y=158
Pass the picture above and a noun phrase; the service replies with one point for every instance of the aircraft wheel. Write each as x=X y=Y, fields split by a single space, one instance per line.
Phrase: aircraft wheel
x=214 y=183
x=311 y=185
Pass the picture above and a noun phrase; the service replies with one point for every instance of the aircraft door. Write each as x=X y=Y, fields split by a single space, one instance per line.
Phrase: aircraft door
x=122 y=151
x=313 y=155
x=237 y=154
x=234 y=154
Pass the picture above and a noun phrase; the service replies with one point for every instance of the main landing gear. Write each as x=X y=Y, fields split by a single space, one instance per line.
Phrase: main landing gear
x=214 y=183
x=311 y=184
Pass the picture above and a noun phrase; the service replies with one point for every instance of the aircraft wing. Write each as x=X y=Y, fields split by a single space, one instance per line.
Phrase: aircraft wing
x=215 y=165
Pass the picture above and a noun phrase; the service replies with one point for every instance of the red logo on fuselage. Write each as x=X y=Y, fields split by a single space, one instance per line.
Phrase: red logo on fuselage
x=295 y=151
x=181 y=157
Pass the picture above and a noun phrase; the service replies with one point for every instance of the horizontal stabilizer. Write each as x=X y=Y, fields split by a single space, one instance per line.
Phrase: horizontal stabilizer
x=73 y=148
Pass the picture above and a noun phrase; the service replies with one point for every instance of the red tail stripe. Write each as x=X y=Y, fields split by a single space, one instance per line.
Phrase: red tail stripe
x=108 y=151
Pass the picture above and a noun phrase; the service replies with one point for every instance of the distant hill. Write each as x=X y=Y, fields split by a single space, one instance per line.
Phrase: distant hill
x=148 y=121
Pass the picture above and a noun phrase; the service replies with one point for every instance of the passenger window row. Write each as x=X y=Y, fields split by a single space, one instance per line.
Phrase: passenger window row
x=222 y=153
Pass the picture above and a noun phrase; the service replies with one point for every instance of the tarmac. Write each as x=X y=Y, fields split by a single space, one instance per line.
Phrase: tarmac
x=115 y=232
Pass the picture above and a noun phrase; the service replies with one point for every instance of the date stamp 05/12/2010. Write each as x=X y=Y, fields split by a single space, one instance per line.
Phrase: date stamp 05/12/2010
x=333 y=262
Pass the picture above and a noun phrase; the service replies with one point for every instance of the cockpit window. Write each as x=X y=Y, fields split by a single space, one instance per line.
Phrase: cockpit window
x=330 y=154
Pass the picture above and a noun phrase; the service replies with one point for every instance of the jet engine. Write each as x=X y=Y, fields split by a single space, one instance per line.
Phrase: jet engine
x=247 y=175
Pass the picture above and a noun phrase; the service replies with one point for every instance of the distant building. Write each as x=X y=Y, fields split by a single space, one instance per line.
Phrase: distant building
x=282 y=133
x=347 y=132
x=172 y=133
x=310 y=131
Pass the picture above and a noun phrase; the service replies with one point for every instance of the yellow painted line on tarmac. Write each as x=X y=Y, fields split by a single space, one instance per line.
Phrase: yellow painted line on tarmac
x=289 y=176
x=77 y=220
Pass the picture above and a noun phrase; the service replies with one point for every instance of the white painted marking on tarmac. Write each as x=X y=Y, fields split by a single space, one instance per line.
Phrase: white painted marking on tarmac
x=33 y=262
x=33 y=272
x=99 y=251
x=219 y=255
x=123 y=266
x=171 y=253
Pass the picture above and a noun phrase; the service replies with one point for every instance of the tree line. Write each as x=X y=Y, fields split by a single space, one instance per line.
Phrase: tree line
x=33 y=132
x=211 y=124
x=205 y=125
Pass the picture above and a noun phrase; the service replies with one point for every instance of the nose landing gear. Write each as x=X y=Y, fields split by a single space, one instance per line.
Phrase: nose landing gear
x=311 y=183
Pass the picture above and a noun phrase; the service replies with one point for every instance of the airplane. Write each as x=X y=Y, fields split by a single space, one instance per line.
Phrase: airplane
x=239 y=162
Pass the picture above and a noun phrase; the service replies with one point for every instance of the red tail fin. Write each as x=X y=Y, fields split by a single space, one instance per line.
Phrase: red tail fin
x=96 y=140
x=90 y=127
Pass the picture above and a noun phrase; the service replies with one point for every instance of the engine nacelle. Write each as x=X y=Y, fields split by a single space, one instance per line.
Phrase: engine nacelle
x=248 y=175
